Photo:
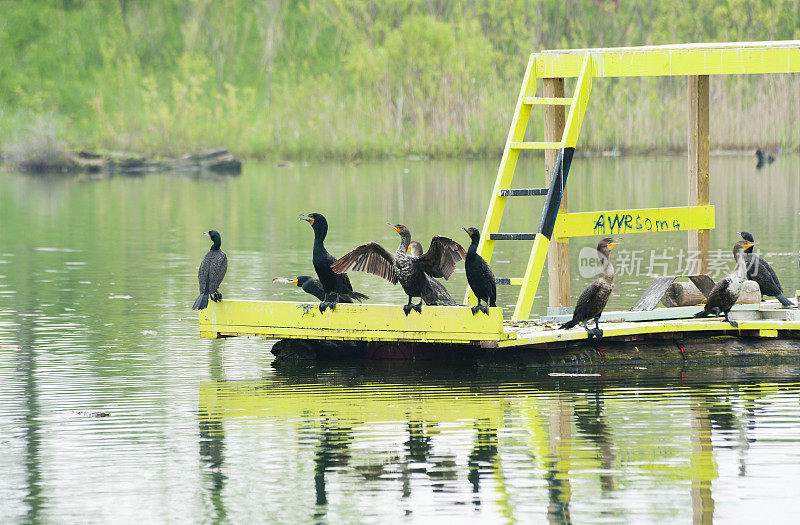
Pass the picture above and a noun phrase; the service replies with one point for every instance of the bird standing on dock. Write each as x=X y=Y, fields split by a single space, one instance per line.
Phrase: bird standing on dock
x=434 y=293
x=310 y=285
x=726 y=292
x=593 y=299
x=760 y=271
x=335 y=285
x=211 y=272
x=479 y=275
x=410 y=271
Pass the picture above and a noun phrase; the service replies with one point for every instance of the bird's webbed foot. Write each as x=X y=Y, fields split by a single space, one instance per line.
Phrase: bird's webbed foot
x=325 y=304
x=475 y=309
x=417 y=307
x=733 y=323
x=485 y=309
x=216 y=296
x=595 y=333
x=407 y=308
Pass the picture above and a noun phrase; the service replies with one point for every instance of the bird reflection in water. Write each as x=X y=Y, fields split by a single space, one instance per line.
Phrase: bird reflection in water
x=483 y=458
x=591 y=424
x=332 y=450
x=212 y=458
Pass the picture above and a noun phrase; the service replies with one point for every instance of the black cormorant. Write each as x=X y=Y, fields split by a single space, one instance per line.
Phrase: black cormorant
x=211 y=272
x=434 y=293
x=479 y=275
x=335 y=285
x=593 y=299
x=310 y=285
x=760 y=271
x=726 y=292
x=439 y=261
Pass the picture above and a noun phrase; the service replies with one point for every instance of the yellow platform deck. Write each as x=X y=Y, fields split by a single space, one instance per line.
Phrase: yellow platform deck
x=452 y=324
x=377 y=322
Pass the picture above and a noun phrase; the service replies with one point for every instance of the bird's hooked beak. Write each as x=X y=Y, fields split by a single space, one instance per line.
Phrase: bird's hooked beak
x=748 y=245
x=393 y=226
x=206 y=234
x=306 y=218
x=613 y=245
x=295 y=282
x=468 y=232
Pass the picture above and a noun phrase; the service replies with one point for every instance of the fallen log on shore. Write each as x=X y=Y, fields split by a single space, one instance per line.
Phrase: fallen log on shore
x=217 y=160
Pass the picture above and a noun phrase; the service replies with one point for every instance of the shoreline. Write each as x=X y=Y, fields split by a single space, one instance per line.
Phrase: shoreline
x=221 y=161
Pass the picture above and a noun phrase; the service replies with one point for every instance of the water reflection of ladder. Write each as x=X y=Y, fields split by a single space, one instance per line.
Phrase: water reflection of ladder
x=502 y=188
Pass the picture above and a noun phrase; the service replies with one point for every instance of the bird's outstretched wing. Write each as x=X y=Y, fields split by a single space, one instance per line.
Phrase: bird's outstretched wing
x=441 y=258
x=371 y=258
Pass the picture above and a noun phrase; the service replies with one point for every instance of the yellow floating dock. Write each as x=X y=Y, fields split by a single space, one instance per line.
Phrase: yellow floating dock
x=547 y=71
x=457 y=325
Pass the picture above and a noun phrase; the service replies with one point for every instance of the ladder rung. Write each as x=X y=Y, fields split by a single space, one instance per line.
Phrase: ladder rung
x=523 y=192
x=516 y=281
x=535 y=145
x=512 y=236
x=547 y=101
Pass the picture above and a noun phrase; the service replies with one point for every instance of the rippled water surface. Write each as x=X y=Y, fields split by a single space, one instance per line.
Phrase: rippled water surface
x=112 y=409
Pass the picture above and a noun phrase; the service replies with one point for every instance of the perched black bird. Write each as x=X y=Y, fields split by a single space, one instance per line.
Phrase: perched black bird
x=434 y=293
x=310 y=285
x=439 y=261
x=593 y=299
x=760 y=271
x=211 y=272
x=479 y=275
x=763 y=159
x=726 y=292
x=335 y=285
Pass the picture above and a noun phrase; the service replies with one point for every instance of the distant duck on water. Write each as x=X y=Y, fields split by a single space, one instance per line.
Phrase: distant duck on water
x=212 y=271
x=763 y=159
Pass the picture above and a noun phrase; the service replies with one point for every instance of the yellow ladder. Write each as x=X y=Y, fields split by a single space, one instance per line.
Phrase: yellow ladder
x=505 y=174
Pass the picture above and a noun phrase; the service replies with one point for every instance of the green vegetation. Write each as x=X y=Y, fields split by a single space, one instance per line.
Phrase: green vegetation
x=346 y=78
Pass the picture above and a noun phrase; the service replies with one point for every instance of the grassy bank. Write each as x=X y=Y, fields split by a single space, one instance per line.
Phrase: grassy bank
x=346 y=78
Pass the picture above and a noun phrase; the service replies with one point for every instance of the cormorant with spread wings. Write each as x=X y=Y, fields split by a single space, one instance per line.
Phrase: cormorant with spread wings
x=439 y=261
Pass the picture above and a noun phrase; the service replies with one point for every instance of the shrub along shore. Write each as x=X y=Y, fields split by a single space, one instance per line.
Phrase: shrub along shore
x=362 y=78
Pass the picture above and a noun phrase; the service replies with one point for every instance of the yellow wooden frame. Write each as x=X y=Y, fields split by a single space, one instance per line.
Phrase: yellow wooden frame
x=644 y=220
x=586 y=64
x=740 y=58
